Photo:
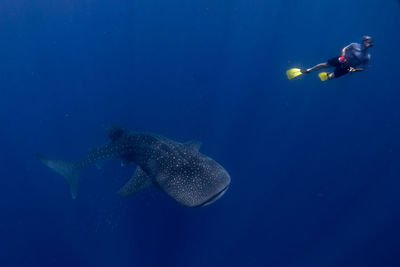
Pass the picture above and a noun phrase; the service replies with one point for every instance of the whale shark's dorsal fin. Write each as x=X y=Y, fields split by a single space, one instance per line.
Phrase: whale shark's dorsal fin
x=139 y=181
x=195 y=145
x=115 y=132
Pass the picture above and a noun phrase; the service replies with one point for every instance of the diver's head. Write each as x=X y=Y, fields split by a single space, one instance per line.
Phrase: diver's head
x=367 y=42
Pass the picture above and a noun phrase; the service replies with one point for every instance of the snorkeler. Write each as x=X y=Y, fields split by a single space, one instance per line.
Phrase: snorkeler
x=352 y=56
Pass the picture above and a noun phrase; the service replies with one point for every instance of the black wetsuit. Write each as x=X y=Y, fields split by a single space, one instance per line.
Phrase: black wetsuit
x=340 y=68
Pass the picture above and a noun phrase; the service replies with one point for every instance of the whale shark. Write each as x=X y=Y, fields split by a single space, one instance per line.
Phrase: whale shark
x=179 y=169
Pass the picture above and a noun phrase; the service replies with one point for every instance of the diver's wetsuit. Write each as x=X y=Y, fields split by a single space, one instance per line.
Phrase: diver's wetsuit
x=354 y=56
x=340 y=68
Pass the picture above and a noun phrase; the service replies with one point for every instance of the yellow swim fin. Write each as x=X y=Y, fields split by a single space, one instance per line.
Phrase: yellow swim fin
x=293 y=73
x=323 y=76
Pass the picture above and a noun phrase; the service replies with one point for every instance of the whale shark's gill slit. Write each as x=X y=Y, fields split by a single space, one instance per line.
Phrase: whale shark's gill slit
x=214 y=198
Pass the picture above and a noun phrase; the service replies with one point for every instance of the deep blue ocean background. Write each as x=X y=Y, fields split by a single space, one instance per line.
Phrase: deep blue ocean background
x=314 y=166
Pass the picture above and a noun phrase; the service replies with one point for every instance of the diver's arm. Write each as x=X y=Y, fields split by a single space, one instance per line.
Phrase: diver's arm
x=351 y=69
x=363 y=67
x=345 y=48
x=344 y=51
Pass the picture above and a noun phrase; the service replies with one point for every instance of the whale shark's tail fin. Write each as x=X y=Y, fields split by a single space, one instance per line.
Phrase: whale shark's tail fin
x=69 y=170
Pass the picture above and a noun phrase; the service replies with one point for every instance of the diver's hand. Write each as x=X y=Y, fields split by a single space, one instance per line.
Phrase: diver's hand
x=342 y=60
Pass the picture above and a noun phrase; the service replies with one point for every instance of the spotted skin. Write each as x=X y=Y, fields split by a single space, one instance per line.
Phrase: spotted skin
x=179 y=169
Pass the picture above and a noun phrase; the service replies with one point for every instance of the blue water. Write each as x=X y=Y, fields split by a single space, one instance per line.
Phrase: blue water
x=314 y=166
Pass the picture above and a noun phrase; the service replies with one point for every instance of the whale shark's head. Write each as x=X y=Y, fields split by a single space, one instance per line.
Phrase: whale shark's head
x=199 y=182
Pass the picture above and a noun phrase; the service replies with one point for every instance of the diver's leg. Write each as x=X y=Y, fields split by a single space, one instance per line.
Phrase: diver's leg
x=318 y=67
x=339 y=71
x=333 y=62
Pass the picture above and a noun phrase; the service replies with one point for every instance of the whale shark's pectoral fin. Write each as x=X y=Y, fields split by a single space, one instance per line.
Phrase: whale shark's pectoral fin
x=124 y=162
x=195 y=145
x=139 y=181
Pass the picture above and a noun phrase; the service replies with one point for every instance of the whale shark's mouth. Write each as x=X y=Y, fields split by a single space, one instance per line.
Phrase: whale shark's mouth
x=214 y=198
